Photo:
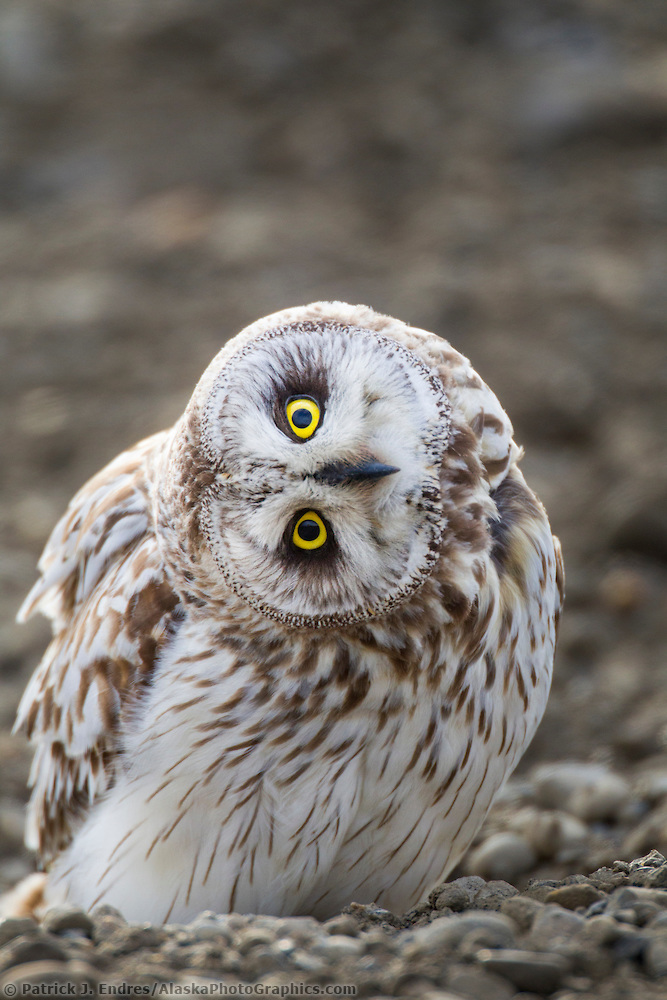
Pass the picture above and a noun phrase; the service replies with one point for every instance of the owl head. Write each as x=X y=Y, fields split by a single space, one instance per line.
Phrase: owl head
x=307 y=472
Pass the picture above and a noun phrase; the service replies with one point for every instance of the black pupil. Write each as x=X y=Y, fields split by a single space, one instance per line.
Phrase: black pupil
x=308 y=531
x=302 y=419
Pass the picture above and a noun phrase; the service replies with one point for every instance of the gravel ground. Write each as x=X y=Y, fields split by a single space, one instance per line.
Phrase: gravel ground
x=494 y=171
x=597 y=935
x=514 y=924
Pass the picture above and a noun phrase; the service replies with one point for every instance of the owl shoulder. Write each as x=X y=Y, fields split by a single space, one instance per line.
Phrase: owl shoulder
x=111 y=608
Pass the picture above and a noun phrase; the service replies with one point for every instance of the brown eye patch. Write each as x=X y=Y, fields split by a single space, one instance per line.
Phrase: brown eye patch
x=308 y=385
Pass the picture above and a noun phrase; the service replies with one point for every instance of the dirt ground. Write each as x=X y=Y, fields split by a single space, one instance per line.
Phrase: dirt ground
x=494 y=171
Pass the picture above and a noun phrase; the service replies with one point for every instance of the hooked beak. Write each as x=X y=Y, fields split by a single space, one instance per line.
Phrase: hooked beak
x=341 y=472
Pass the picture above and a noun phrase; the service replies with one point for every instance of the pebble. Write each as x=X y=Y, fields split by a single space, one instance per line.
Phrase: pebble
x=655 y=956
x=12 y=927
x=653 y=865
x=478 y=984
x=211 y=930
x=493 y=894
x=630 y=947
x=254 y=937
x=60 y=919
x=457 y=895
x=446 y=933
x=33 y=947
x=652 y=785
x=589 y=791
x=628 y=897
x=505 y=855
x=284 y=946
x=343 y=924
x=372 y=916
x=427 y=994
x=522 y=910
x=554 y=924
x=603 y=801
x=338 y=946
x=33 y=64
x=302 y=929
x=484 y=937
x=27 y=979
x=306 y=962
x=603 y=930
x=607 y=879
x=376 y=942
x=539 y=889
x=572 y=897
x=128 y=938
x=551 y=832
x=527 y=970
x=107 y=921
x=264 y=959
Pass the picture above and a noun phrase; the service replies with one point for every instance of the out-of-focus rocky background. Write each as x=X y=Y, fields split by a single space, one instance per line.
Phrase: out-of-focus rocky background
x=495 y=171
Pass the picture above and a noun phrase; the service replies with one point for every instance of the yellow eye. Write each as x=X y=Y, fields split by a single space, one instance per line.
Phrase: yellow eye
x=309 y=531
x=303 y=415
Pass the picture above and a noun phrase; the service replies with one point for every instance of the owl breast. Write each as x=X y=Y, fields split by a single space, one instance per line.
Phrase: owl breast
x=295 y=776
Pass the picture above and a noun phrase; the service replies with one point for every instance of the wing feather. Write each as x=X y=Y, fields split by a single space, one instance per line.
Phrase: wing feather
x=103 y=587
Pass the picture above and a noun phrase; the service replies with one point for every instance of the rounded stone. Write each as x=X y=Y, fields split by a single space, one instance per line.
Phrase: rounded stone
x=573 y=897
x=484 y=937
x=479 y=983
x=527 y=970
x=376 y=942
x=338 y=946
x=342 y=924
x=457 y=895
x=655 y=956
x=492 y=895
x=306 y=962
x=13 y=927
x=553 y=923
x=26 y=979
x=452 y=897
x=603 y=930
x=254 y=937
x=35 y=947
x=210 y=930
x=60 y=919
x=522 y=910
x=554 y=833
x=604 y=800
x=589 y=791
x=446 y=933
x=629 y=896
x=426 y=994
x=502 y=856
x=107 y=922
x=302 y=929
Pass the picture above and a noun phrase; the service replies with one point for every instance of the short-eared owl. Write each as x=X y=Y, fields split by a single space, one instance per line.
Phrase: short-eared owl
x=300 y=639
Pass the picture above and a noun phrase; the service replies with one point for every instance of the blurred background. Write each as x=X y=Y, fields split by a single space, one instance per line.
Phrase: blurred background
x=492 y=170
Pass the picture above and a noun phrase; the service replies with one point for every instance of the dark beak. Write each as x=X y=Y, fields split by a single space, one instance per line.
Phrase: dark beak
x=341 y=472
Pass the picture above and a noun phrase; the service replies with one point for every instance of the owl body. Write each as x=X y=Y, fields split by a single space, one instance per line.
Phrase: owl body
x=300 y=640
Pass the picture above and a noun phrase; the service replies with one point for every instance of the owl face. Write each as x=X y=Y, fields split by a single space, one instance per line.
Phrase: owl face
x=327 y=442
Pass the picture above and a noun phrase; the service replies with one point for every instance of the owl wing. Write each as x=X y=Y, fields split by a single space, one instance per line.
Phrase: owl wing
x=102 y=586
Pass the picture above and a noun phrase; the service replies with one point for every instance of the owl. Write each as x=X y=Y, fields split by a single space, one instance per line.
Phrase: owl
x=300 y=639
